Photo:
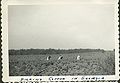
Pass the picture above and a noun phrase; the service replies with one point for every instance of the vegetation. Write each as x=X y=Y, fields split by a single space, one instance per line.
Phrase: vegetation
x=91 y=63
x=50 y=51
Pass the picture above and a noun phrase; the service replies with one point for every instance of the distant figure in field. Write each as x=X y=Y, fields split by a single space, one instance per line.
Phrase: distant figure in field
x=49 y=57
x=78 y=57
x=60 y=57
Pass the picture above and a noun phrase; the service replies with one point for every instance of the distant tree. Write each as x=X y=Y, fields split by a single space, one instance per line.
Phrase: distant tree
x=113 y=49
x=50 y=51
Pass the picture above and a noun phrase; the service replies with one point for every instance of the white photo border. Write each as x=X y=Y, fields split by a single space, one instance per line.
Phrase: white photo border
x=5 y=57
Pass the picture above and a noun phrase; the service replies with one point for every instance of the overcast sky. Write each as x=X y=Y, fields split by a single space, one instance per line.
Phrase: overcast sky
x=61 y=26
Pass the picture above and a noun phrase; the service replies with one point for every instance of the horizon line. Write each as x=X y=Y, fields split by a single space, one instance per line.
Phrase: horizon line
x=58 y=48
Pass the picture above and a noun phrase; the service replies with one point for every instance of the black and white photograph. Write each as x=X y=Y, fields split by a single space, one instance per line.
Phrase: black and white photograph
x=61 y=40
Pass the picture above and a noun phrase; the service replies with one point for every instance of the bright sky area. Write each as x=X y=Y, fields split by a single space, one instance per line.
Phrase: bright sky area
x=61 y=26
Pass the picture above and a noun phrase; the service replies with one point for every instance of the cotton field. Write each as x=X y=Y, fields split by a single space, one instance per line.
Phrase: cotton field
x=88 y=63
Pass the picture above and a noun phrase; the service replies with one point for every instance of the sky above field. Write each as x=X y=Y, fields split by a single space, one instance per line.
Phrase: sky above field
x=61 y=26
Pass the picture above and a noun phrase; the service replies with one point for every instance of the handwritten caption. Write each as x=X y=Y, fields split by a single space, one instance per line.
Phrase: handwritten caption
x=52 y=79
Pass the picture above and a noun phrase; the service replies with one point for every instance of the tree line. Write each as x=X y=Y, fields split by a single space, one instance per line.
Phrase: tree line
x=50 y=51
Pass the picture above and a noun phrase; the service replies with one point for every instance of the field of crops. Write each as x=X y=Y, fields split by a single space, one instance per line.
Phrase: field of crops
x=91 y=63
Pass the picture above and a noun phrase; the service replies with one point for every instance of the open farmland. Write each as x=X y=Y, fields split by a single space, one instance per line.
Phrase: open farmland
x=91 y=63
